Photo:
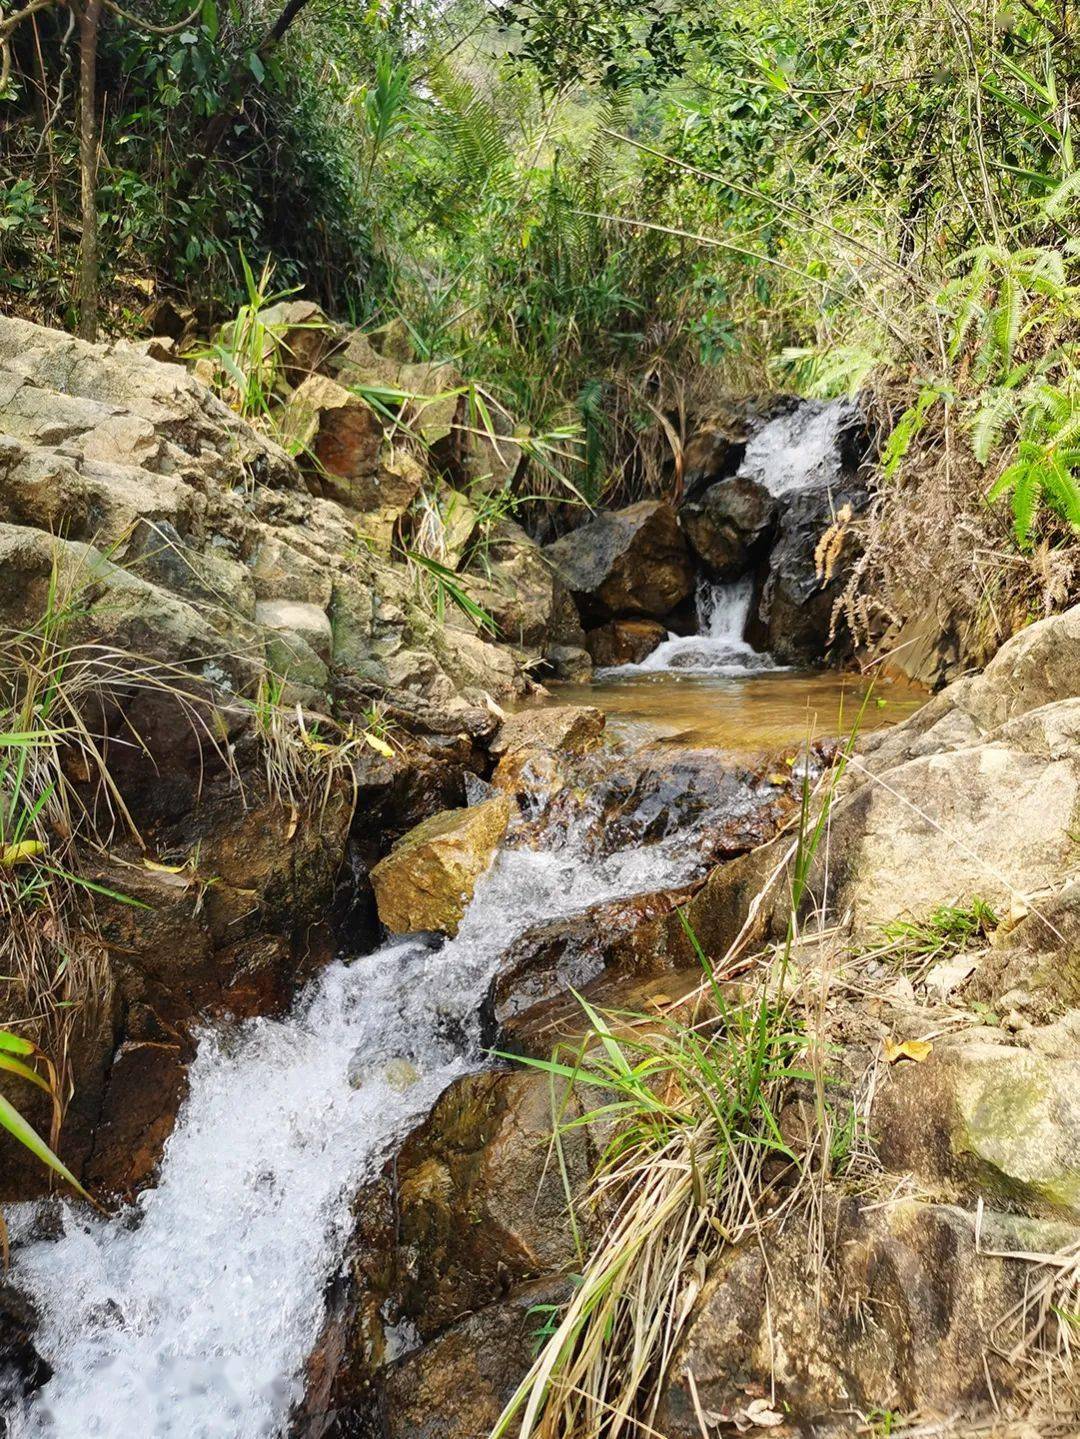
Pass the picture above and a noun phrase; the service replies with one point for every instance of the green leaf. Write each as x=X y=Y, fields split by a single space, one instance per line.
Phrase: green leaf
x=15 y=1044
x=17 y=1127
x=16 y=1066
x=256 y=66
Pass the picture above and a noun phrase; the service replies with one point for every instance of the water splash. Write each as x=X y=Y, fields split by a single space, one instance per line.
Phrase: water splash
x=190 y=1314
x=719 y=648
x=798 y=449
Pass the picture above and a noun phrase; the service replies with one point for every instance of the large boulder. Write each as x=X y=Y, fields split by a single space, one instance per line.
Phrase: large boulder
x=897 y=1311
x=989 y=1118
x=730 y=526
x=428 y=878
x=629 y=562
x=795 y=613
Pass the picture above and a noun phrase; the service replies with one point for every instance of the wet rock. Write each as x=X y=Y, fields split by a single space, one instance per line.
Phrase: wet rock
x=730 y=525
x=898 y=1314
x=147 y=1085
x=471 y=1209
x=628 y=562
x=556 y=955
x=795 y=614
x=428 y=878
x=531 y=744
x=457 y=1386
x=342 y=433
x=988 y=1118
x=22 y=1369
x=624 y=642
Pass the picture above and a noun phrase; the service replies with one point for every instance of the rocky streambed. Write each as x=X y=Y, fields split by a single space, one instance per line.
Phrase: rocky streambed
x=331 y=1210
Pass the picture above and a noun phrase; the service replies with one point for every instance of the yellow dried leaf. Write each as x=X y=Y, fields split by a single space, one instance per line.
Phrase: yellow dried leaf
x=156 y=868
x=916 y=1049
x=777 y=778
x=378 y=745
x=13 y=854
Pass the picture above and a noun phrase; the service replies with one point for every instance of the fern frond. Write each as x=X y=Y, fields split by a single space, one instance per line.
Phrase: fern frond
x=1061 y=199
x=1025 y=497
x=995 y=412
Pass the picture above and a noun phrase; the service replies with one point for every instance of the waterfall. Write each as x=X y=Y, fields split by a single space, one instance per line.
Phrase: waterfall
x=189 y=1315
x=723 y=610
x=718 y=648
x=798 y=449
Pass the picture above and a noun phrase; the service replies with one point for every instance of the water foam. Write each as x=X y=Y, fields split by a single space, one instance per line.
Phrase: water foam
x=190 y=1315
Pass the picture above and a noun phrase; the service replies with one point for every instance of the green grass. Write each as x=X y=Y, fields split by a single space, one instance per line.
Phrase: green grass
x=916 y=945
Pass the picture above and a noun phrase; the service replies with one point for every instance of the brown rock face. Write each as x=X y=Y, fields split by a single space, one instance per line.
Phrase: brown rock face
x=914 y=1266
x=469 y=1213
x=427 y=880
x=729 y=526
x=341 y=431
x=630 y=562
x=532 y=745
x=624 y=642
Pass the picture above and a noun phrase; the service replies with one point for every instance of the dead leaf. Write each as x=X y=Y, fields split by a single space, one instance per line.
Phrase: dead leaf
x=916 y=1049
x=294 y=821
x=761 y=1416
x=378 y=745
x=13 y=854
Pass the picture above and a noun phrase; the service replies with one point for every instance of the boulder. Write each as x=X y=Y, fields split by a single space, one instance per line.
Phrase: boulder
x=298 y=641
x=988 y=1118
x=898 y=1311
x=794 y=618
x=341 y=434
x=428 y=878
x=730 y=525
x=624 y=642
x=543 y=737
x=428 y=393
x=571 y=664
x=516 y=586
x=629 y=562
x=304 y=335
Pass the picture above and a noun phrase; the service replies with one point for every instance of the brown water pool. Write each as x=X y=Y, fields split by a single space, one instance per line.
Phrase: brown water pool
x=749 y=711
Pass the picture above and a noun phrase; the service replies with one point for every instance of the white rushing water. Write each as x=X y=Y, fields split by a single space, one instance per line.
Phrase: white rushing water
x=718 y=648
x=797 y=449
x=190 y=1315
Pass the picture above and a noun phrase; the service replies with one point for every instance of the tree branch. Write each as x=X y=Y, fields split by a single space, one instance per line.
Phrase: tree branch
x=145 y=25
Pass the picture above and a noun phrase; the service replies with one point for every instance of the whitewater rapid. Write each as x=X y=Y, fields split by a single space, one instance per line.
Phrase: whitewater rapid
x=190 y=1314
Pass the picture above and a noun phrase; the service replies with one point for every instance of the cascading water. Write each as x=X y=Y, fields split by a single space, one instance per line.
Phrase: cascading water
x=190 y=1314
x=791 y=452
x=799 y=448
x=718 y=648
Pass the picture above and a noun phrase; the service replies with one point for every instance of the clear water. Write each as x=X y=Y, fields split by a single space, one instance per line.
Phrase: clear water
x=190 y=1315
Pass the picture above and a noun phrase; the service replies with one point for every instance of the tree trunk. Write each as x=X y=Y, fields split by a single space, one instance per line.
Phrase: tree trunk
x=241 y=81
x=89 y=247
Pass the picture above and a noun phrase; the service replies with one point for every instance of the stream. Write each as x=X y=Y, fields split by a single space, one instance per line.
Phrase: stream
x=190 y=1313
